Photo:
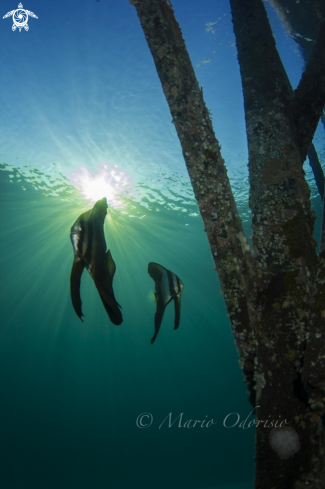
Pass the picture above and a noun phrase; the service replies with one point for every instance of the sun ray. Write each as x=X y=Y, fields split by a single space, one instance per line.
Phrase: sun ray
x=109 y=181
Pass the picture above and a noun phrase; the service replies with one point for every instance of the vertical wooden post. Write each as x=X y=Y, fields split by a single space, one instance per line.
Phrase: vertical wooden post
x=276 y=301
x=207 y=171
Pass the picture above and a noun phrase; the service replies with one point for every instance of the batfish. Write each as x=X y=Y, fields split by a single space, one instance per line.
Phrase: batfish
x=89 y=245
x=168 y=286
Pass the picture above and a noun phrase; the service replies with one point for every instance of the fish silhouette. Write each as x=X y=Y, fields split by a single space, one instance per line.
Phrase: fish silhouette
x=168 y=286
x=89 y=245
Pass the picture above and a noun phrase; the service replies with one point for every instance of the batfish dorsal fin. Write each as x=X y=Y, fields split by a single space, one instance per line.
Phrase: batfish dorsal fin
x=156 y=271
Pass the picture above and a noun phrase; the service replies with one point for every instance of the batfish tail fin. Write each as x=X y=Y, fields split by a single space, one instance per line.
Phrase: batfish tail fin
x=177 y=302
x=158 y=318
x=75 y=277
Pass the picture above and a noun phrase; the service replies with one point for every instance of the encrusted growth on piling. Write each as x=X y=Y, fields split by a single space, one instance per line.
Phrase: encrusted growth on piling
x=287 y=290
x=275 y=299
x=206 y=167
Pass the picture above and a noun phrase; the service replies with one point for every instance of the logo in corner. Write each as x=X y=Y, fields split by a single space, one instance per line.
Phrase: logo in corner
x=20 y=18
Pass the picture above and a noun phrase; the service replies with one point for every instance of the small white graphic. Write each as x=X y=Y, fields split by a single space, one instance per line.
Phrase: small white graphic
x=20 y=18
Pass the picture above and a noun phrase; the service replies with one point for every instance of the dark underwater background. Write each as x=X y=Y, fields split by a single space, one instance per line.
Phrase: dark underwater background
x=79 y=89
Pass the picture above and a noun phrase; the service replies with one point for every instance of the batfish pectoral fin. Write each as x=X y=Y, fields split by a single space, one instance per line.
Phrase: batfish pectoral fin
x=177 y=302
x=158 y=317
x=75 y=278
x=110 y=264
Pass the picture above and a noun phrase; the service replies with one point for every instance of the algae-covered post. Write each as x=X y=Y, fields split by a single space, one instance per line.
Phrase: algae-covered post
x=322 y=239
x=277 y=303
x=288 y=291
x=206 y=169
x=309 y=97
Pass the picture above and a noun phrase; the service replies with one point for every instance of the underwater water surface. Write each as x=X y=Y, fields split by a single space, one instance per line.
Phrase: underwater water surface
x=81 y=104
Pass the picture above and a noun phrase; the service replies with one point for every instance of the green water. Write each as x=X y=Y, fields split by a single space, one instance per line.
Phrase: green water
x=71 y=392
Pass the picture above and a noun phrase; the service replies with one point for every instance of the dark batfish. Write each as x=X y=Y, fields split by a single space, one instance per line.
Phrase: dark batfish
x=168 y=286
x=89 y=245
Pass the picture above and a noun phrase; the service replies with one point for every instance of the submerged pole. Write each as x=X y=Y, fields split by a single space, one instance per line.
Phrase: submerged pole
x=207 y=171
x=288 y=291
x=276 y=299
x=309 y=96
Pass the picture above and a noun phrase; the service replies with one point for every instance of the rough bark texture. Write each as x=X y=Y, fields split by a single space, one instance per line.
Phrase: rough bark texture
x=206 y=168
x=277 y=307
x=317 y=169
x=309 y=97
x=322 y=239
x=312 y=154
